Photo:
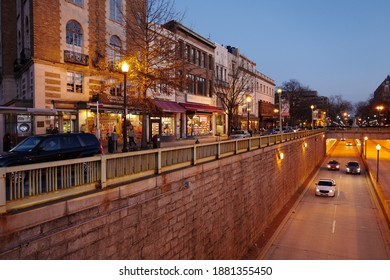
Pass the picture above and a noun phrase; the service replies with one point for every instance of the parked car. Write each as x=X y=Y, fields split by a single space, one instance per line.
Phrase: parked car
x=333 y=165
x=353 y=167
x=51 y=147
x=326 y=187
x=237 y=134
x=349 y=143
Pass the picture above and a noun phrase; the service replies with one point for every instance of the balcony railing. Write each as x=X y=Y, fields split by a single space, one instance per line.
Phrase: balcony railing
x=75 y=57
x=27 y=185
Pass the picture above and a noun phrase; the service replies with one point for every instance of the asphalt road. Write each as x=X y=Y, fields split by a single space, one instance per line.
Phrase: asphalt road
x=349 y=226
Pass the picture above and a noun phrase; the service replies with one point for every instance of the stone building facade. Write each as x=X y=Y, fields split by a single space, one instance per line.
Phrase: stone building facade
x=50 y=76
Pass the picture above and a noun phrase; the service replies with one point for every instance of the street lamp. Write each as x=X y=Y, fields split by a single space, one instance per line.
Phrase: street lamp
x=378 y=148
x=248 y=100
x=312 y=119
x=279 y=91
x=379 y=108
x=125 y=69
x=365 y=147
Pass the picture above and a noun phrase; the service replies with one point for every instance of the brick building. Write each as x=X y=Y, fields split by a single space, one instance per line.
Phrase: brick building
x=59 y=68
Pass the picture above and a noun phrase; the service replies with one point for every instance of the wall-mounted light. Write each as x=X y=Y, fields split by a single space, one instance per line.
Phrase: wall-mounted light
x=304 y=144
x=280 y=155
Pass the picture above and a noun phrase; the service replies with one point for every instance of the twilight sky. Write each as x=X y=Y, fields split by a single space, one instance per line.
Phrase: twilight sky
x=337 y=47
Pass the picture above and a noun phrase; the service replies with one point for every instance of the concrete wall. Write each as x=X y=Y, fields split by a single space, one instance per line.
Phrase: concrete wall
x=215 y=210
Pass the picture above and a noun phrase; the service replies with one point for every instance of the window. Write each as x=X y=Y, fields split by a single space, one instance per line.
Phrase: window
x=193 y=56
x=116 y=10
x=199 y=58
x=201 y=86
x=74 y=82
x=188 y=53
x=210 y=62
x=51 y=144
x=74 y=36
x=116 y=88
x=77 y=2
x=203 y=60
x=191 y=83
x=115 y=49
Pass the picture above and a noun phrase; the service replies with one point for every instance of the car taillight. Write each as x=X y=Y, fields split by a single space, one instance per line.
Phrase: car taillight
x=102 y=149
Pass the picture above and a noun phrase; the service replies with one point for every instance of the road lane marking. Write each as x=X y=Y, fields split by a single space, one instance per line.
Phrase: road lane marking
x=334 y=226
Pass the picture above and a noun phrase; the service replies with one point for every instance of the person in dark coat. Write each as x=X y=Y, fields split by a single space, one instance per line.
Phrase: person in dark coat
x=7 y=142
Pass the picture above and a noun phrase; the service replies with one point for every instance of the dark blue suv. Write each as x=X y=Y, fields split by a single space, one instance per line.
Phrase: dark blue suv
x=51 y=147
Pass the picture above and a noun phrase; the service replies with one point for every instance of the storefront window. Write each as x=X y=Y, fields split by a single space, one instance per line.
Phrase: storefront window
x=198 y=125
x=220 y=122
x=168 y=124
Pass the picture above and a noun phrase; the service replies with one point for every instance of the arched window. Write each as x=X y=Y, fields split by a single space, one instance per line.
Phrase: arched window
x=74 y=35
x=115 y=49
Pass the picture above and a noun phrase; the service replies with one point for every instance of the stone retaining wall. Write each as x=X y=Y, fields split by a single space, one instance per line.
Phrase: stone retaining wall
x=215 y=210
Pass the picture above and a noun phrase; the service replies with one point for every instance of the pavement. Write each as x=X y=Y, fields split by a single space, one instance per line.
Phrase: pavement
x=174 y=143
x=378 y=168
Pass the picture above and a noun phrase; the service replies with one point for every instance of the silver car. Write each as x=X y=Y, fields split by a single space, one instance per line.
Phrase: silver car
x=326 y=187
x=353 y=167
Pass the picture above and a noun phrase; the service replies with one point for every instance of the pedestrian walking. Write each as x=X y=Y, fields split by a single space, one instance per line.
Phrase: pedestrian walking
x=114 y=138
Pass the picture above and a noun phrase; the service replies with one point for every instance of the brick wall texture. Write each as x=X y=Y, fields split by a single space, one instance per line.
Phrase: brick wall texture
x=226 y=207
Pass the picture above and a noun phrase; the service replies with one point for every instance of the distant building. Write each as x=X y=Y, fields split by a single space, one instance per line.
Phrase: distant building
x=382 y=93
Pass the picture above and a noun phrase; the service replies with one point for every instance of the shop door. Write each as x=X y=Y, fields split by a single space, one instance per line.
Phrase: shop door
x=156 y=127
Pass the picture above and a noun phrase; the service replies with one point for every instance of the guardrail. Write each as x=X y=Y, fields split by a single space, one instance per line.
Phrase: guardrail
x=28 y=185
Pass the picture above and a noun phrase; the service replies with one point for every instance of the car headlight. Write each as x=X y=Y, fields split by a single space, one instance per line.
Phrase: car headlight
x=337 y=166
x=348 y=169
x=328 y=165
x=330 y=191
x=358 y=170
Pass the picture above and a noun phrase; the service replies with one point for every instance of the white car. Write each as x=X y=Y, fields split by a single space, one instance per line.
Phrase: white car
x=326 y=187
x=238 y=134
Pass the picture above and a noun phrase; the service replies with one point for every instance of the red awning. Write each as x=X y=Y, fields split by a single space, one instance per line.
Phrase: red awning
x=169 y=106
x=200 y=108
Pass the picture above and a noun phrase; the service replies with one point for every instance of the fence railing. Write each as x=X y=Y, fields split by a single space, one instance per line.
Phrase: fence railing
x=27 y=185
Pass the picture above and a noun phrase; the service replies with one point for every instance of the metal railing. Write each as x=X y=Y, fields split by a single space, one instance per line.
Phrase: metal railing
x=27 y=185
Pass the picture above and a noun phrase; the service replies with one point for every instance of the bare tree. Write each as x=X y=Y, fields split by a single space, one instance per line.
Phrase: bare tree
x=154 y=59
x=152 y=53
x=294 y=92
x=338 y=106
x=233 y=92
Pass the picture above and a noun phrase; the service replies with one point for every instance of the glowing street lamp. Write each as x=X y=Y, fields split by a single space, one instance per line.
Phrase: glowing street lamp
x=279 y=91
x=378 y=148
x=125 y=69
x=365 y=146
x=248 y=101
x=312 y=118
x=379 y=108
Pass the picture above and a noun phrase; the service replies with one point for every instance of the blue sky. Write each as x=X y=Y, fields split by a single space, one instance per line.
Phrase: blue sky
x=337 y=47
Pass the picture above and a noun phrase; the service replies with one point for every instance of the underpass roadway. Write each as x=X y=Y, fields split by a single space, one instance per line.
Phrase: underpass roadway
x=352 y=225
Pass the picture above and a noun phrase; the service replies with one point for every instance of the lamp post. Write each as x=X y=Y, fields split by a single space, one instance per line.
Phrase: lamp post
x=125 y=69
x=279 y=91
x=379 y=108
x=248 y=100
x=365 y=147
x=378 y=148
x=312 y=119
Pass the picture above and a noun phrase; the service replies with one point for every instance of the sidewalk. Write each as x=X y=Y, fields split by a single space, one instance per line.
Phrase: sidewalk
x=174 y=143
x=382 y=183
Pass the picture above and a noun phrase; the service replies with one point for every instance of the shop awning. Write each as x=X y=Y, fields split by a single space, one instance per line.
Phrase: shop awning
x=35 y=111
x=200 y=108
x=169 y=106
